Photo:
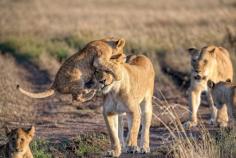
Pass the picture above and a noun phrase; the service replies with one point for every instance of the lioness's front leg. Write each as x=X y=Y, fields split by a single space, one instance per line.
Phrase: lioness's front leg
x=146 y=123
x=135 y=119
x=194 y=103
x=111 y=121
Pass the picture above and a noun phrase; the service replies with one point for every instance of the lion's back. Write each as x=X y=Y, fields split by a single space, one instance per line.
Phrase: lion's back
x=224 y=64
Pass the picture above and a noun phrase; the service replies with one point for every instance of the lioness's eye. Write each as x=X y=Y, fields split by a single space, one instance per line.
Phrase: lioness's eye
x=22 y=139
x=205 y=61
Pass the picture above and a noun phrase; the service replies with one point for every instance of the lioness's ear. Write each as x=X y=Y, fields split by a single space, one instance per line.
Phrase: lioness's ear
x=31 y=132
x=210 y=84
x=228 y=80
x=212 y=50
x=120 y=43
x=7 y=130
x=193 y=51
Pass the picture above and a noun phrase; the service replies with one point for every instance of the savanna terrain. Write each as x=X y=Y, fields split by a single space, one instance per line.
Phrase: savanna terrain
x=37 y=36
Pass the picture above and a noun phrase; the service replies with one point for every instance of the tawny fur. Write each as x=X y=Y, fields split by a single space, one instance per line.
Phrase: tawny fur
x=209 y=63
x=132 y=95
x=18 y=143
x=78 y=70
x=224 y=93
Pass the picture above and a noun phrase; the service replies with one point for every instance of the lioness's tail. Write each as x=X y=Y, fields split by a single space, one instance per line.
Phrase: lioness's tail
x=44 y=94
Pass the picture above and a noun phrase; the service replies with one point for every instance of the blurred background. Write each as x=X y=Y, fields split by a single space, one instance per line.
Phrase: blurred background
x=37 y=36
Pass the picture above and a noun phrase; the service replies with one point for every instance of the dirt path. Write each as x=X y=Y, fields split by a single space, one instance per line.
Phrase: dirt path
x=55 y=118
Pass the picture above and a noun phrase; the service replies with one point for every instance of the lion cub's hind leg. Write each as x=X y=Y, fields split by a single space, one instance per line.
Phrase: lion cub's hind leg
x=84 y=96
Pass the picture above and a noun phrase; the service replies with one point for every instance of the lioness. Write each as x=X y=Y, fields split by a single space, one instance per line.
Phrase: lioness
x=224 y=93
x=18 y=143
x=132 y=95
x=209 y=63
x=74 y=76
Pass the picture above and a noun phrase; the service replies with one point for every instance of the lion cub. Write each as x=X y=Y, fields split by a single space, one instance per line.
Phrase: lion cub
x=132 y=95
x=18 y=143
x=224 y=93
x=75 y=74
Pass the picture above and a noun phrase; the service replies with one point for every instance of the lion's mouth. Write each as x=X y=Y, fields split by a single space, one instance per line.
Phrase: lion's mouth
x=17 y=150
x=103 y=86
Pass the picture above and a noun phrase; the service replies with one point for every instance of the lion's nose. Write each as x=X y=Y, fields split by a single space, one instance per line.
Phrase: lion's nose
x=197 y=77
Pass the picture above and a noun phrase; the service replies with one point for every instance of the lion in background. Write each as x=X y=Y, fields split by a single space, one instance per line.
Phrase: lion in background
x=209 y=63
x=75 y=75
x=224 y=93
x=132 y=95
x=18 y=143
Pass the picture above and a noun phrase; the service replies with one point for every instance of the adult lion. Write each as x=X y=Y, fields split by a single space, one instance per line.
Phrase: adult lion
x=132 y=95
x=209 y=63
x=75 y=75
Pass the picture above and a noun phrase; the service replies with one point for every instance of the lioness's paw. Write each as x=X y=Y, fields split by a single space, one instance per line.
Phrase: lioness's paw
x=189 y=124
x=144 y=150
x=132 y=149
x=112 y=153
x=223 y=124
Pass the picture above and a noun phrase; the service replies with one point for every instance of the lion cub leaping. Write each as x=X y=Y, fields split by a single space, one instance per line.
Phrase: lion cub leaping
x=75 y=74
x=18 y=143
x=131 y=95
x=224 y=93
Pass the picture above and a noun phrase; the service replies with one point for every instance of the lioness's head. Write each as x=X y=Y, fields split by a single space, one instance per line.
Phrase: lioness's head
x=105 y=81
x=203 y=62
x=19 y=139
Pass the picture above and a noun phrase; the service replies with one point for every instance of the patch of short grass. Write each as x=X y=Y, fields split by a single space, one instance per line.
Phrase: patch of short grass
x=75 y=41
x=30 y=48
x=90 y=143
x=40 y=149
x=22 y=47
x=226 y=142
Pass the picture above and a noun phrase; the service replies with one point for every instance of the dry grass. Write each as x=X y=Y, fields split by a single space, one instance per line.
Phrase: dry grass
x=200 y=143
x=37 y=31
x=150 y=27
x=13 y=105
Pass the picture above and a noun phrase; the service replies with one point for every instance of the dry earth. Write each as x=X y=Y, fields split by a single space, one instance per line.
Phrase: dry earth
x=56 y=119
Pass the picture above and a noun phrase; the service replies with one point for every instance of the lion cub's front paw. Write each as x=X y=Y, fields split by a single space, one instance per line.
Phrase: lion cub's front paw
x=144 y=150
x=133 y=149
x=189 y=124
x=112 y=153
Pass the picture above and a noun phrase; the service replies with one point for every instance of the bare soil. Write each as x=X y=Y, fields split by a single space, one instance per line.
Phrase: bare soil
x=56 y=119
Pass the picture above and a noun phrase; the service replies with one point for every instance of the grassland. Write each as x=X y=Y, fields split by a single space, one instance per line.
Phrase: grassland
x=37 y=36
